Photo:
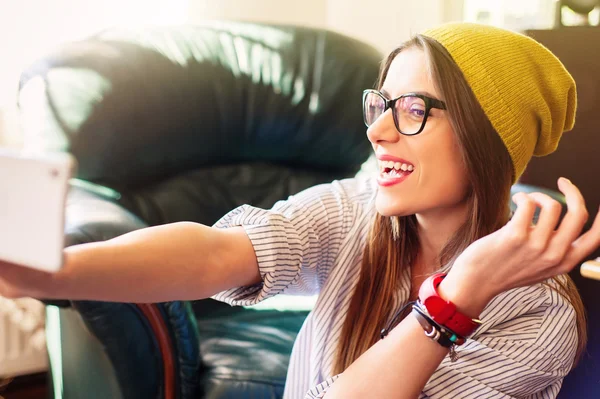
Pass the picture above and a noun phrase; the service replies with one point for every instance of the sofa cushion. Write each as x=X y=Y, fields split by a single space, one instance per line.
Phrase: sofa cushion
x=245 y=352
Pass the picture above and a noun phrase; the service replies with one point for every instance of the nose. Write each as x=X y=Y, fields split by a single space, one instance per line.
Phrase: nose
x=383 y=129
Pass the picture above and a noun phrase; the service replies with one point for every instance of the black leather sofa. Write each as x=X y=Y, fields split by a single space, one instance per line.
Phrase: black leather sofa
x=186 y=123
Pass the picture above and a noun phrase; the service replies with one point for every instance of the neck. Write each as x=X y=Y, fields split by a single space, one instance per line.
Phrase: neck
x=435 y=229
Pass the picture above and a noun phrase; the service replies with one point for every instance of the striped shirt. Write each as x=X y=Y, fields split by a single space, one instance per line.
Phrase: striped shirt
x=313 y=242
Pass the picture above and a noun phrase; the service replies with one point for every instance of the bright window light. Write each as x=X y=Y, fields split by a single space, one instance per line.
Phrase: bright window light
x=30 y=28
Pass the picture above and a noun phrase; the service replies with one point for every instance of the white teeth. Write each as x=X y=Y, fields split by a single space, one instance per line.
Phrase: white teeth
x=395 y=166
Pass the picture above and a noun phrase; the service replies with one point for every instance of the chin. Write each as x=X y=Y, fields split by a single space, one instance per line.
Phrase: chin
x=389 y=208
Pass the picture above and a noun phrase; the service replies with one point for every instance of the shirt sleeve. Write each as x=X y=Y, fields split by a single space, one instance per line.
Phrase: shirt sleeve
x=524 y=349
x=297 y=241
x=320 y=390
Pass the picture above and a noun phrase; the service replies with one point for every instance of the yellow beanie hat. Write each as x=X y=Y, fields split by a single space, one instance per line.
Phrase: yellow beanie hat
x=525 y=91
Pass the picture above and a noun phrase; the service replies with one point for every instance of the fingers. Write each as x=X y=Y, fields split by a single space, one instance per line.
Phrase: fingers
x=582 y=247
x=544 y=240
x=550 y=211
x=521 y=220
x=574 y=220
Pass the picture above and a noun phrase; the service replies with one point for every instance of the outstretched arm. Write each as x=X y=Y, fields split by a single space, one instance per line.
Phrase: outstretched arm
x=179 y=261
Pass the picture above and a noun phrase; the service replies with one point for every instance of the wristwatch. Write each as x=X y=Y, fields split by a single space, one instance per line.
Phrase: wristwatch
x=444 y=312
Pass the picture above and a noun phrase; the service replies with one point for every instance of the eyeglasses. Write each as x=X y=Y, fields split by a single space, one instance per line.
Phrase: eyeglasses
x=410 y=110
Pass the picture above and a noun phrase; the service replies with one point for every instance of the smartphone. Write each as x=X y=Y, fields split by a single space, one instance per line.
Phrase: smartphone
x=33 y=192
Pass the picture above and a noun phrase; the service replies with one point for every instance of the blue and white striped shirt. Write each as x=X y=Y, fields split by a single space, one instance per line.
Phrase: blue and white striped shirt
x=313 y=244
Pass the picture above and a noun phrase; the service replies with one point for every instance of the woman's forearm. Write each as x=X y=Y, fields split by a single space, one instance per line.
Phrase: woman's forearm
x=177 y=261
x=398 y=366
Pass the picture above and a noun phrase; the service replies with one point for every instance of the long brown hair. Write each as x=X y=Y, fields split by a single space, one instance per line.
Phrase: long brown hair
x=491 y=174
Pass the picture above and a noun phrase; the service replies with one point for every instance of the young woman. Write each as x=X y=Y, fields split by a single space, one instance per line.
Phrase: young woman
x=458 y=113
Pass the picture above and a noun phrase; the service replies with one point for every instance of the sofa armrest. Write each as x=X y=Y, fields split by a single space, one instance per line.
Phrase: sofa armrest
x=153 y=348
x=93 y=215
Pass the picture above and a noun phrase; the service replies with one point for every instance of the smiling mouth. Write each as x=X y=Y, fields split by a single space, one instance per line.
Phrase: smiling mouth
x=395 y=169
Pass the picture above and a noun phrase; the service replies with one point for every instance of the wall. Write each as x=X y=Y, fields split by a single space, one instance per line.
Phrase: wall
x=384 y=24
x=28 y=28
x=388 y=23
x=305 y=12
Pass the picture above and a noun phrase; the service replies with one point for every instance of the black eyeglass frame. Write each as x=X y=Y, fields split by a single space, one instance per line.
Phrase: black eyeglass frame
x=429 y=103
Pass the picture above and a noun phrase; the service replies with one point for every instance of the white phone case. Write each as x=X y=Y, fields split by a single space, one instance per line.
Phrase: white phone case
x=33 y=192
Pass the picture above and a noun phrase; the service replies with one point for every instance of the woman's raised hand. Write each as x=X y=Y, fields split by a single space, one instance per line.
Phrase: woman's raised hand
x=521 y=253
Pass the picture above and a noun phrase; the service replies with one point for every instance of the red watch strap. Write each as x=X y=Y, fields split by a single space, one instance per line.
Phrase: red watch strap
x=444 y=312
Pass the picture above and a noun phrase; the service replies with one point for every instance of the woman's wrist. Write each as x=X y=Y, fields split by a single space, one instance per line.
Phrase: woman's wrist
x=38 y=284
x=469 y=294
x=63 y=283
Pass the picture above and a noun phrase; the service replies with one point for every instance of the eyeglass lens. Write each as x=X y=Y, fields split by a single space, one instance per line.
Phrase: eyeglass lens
x=409 y=112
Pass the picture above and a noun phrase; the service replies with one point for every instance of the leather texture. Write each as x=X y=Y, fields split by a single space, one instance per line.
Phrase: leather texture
x=246 y=350
x=184 y=124
x=139 y=105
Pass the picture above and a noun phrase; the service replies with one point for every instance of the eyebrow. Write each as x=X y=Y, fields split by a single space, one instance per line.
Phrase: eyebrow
x=424 y=93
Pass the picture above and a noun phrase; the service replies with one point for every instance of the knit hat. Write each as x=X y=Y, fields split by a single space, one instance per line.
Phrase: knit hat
x=525 y=91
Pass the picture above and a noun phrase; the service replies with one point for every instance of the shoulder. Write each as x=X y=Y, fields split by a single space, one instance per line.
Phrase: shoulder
x=359 y=191
x=356 y=188
x=346 y=199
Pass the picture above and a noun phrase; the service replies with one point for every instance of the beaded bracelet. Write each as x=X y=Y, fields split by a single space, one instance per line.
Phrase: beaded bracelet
x=431 y=331
x=428 y=325
x=451 y=335
x=438 y=333
x=443 y=336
